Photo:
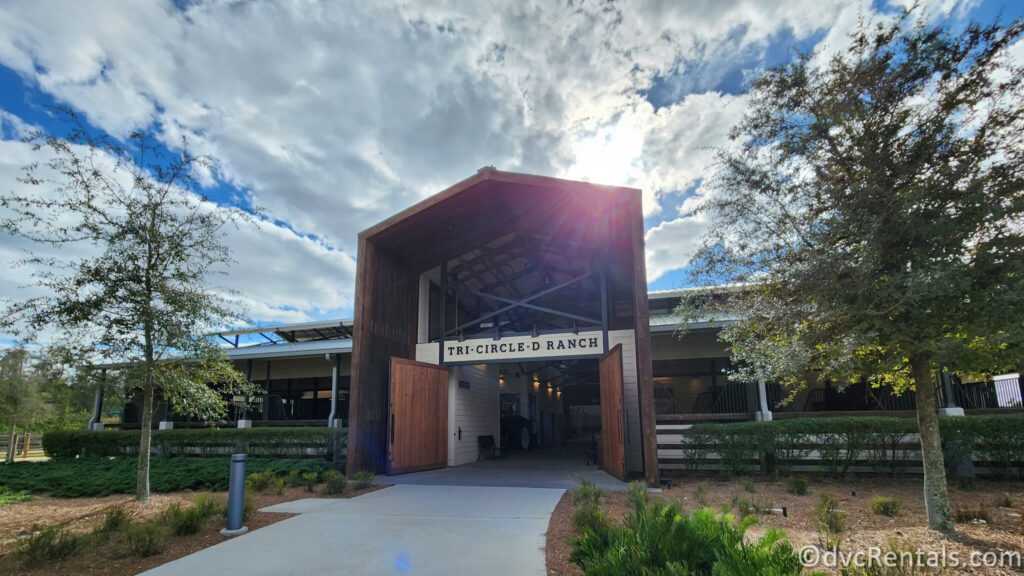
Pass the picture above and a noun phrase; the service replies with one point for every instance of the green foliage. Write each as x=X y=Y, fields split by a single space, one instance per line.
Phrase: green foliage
x=830 y=520
x=248 y=508
x=1005 y=501
x=637 y=495
x=700 y=493
x=309 y=480
x=103 y=476
x=49 y=544
x=660 y=540
x=586 y=492
x=294 y=478
x=144 y=540
x=335 y=483
x=362 y=480
x=185 y=521
x=750 y=505
x=748 y=485
x=884 y=506
x=796 y=485
x=963 y=515
x=298 y=442
x=589 y=516
x=266 y=481
x=114 y=520
x=22 y=402
x=8 y=496
x=883 y=442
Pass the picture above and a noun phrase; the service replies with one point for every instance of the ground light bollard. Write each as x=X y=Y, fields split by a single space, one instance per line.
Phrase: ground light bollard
x=236 y=497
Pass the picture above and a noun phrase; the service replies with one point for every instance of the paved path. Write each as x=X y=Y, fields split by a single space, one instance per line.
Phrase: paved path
x=404 y=529
x=548 y=468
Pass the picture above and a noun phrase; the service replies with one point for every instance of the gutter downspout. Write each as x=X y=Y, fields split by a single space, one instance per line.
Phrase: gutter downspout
x=334 y=388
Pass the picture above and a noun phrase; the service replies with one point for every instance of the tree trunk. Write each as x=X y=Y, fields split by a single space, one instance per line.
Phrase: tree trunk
x=145 y=440
x=12 y=446
x=936 y=497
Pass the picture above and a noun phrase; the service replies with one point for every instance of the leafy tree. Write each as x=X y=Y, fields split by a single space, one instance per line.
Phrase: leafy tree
x=135 y=247
x=22 y=403
x=871 y=213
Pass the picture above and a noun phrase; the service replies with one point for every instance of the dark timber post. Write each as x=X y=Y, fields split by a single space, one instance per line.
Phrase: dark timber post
x=444 y=312
x=266 y=395
x=604 y=304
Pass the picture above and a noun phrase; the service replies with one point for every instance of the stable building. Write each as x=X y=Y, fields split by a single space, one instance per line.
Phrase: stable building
x=509 y=313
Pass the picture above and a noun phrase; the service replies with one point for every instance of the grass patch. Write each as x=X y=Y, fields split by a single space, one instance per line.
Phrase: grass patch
x=830 y=519
x=104 y=476
x=586 y=492
x=114 y=520
x=49 y=544
x=144 y=540
x=884 y=506
x=309 y=481
x=8 y=496
x=264 y=482
x=185 y=521
x=796 y=485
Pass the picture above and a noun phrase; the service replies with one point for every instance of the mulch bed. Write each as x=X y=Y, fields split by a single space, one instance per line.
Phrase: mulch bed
x=864 y=528
x=84 y=514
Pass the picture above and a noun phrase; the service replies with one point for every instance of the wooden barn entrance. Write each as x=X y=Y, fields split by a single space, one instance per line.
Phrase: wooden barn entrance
x=501 y=269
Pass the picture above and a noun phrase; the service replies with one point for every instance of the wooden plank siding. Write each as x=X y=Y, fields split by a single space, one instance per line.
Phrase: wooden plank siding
x=613 y=433
x=418 y=417
x=385 y=327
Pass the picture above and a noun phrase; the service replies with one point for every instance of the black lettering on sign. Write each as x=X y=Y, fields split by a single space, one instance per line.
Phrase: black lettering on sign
x=450 y=350
x=536 y=346
x=551 y=345
x=572 y=344
x=593 y=342
x=561 y=344
x=522 y=347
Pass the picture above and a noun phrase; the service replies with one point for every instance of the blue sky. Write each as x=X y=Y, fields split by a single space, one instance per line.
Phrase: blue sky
x=333 y=116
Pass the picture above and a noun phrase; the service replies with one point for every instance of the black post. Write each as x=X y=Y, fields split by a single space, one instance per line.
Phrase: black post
x=604 y=304
x=236 y=497
x=266 y=395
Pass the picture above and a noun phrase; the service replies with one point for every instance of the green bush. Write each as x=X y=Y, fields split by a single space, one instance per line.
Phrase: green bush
x=49 y=544
x=589 y=516
x=309 y=480
x=104 y=476
x=294 y=478
x=796 y=485
x=660 y=540
x=637 y=496
x=884 y=506
x=830 y=519
x=266 y=481
x=334 y=483
x=185 y=521
x=114 y=520
x=586 y=492
x=997 y=441
x=310 y=442
x=144 y=539
x=362 y=480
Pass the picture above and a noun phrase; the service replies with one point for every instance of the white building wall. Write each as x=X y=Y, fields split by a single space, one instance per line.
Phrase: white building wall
x=474 y=410
x=630 y=397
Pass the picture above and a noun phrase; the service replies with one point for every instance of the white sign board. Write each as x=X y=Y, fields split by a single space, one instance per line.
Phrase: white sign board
x=525 y=347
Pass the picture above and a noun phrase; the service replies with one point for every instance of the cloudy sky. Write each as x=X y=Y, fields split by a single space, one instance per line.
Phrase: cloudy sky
x=334 y=115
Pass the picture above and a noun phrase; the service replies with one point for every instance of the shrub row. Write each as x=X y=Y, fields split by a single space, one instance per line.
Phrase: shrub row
x=103 y=476
x=885 y=443
x=322 y=443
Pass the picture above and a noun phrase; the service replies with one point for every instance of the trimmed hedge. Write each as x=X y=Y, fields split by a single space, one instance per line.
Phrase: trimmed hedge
x=324 y=443
x=882 y=442
x=103 y=476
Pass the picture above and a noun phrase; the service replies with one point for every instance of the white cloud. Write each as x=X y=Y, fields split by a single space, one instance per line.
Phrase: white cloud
x=671 y=244
x=334 y=116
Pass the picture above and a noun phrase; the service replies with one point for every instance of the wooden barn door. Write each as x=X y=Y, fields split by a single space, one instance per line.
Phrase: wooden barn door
x=418 y=417
x=613 y=429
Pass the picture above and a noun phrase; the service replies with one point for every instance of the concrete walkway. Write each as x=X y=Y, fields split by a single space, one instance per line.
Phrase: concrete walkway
x=548 y=468
x=405 y=529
